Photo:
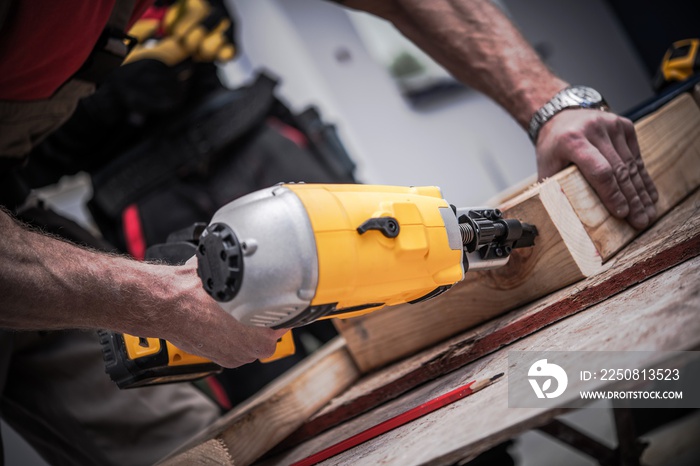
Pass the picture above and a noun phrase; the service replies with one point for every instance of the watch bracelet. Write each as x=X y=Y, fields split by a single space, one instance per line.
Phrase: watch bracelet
x=555 y=105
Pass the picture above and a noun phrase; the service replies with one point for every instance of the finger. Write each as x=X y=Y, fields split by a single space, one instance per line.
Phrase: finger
x=599 y=173
x=633 y=144
x=268 y=340
x=637 y=215
x=620 y=143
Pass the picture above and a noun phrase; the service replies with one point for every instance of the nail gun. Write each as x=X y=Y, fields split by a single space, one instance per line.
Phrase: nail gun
x=288 y=255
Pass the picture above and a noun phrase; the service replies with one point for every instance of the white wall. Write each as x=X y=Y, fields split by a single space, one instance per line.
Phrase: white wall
x=587 y=45
x=468 y=146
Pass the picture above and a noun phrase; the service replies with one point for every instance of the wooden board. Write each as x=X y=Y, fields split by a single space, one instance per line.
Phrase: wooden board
x=667 y=303
x=566 y=251
x=250 y=430
x=673 y=240
x=669 y=141
x=696 y=93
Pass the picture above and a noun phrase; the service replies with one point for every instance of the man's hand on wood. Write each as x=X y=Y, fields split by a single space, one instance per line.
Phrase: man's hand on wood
x=604 y=147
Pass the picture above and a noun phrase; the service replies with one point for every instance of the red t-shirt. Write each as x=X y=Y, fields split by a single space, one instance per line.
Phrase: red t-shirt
x=44 y=42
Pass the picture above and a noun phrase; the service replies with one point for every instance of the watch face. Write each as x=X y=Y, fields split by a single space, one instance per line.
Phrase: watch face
x=585 y=94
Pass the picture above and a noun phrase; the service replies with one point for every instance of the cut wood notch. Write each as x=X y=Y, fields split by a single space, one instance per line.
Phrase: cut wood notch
x=577 y=236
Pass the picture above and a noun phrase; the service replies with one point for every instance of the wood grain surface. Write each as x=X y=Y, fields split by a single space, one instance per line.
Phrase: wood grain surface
x=660 y=314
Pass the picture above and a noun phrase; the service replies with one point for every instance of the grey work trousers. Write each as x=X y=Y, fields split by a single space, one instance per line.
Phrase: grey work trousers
x=59 y=398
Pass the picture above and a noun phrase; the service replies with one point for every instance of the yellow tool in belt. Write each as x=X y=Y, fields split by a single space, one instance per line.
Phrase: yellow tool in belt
x=680 y=62
x=189 y=29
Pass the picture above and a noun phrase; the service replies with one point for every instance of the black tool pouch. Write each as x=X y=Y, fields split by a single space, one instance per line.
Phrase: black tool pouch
x=222 y=149
x=323 y=140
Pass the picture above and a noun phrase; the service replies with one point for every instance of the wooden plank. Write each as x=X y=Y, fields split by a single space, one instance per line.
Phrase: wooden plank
x=673 y=240
x=563 y=254
x=566 y=251
x=696 y=93
x=667 y=303
x=250 y=430
x=669 y=141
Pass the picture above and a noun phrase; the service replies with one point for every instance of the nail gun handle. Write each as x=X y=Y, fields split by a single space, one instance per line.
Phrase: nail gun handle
x=134 y=362
x=285 y=347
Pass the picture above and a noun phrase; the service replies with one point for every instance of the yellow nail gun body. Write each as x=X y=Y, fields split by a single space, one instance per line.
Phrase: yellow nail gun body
x=291 y=254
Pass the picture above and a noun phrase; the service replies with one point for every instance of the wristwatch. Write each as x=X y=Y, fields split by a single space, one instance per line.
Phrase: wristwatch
x=570 y=97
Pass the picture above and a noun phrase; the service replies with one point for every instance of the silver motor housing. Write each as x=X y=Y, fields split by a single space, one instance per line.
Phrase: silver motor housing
x=279 y=262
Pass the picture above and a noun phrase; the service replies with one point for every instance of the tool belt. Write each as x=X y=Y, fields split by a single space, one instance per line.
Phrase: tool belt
x=218 y=151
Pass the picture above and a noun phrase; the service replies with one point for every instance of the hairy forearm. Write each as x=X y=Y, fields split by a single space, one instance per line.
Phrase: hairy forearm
x=478 y=45
x=46 y=283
